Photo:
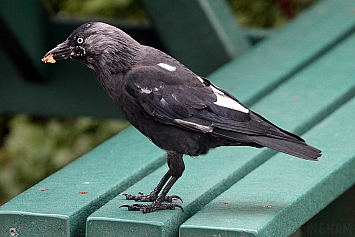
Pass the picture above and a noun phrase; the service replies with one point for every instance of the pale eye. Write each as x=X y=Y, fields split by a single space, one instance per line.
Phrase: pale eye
x=80 y=40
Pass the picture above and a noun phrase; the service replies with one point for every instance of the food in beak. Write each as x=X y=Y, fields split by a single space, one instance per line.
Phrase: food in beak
x=48 y=59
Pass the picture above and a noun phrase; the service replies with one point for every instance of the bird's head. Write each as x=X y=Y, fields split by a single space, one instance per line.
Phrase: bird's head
x=100 y=46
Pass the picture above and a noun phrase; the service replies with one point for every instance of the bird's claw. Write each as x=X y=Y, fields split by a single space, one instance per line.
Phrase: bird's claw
x=152 y=207
x=150 y=197
x=172 y=198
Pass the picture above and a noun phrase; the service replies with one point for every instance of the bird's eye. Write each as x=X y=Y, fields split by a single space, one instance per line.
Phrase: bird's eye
x=80 y=40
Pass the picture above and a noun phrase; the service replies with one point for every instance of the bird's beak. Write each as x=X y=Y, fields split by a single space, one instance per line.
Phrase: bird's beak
x=62 y=51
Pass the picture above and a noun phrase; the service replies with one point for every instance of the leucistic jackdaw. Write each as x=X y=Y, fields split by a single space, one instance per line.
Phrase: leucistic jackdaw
x=179 y=111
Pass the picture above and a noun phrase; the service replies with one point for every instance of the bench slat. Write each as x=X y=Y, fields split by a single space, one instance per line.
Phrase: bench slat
x=299 y=102
x=60 y=203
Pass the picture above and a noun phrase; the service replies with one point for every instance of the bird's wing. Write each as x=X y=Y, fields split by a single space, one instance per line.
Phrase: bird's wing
x=192 y=102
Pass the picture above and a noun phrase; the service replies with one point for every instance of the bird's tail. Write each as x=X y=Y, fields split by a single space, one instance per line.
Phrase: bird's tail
x=295 y=148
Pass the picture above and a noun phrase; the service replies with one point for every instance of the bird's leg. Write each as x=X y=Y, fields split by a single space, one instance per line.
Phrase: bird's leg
x=154 y=194
x=177 y=167
x=158 y=203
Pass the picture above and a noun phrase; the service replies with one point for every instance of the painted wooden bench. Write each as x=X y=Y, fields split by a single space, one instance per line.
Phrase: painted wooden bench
x=301 y=78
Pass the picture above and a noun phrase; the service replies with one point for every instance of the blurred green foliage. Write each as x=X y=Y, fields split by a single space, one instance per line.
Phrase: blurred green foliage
x=32 y=148
x=252 y=13
x=127 y=9
x=267 y=13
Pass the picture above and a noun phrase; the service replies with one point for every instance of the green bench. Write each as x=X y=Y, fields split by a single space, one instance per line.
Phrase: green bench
x=301 y=78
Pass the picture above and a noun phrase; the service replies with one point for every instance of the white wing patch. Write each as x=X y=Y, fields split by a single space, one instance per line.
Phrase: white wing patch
x=164 y=102
x=200 y=79
x=167 y=67
x=227 y=102
x=144 y=90
x=202 y=128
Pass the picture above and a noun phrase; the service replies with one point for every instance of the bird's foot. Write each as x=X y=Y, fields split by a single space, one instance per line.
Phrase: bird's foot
x=150 y=197
x=152 y=207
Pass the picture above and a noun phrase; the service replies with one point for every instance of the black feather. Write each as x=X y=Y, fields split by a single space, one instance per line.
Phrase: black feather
x=301 y=149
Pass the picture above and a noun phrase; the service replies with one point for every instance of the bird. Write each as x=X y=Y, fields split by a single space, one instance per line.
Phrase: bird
x=179 y=111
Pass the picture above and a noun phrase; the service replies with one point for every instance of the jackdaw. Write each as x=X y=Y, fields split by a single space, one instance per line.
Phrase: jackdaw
x=179 y=111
